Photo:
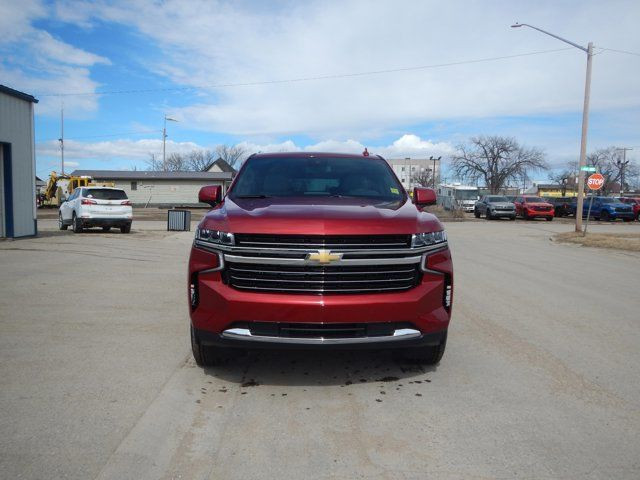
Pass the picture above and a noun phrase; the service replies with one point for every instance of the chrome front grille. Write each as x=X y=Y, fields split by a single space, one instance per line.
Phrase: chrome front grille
x=321 y=265
x=321 y=279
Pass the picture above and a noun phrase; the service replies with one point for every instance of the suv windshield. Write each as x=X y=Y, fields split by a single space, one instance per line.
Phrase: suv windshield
x=497 y=199
x=609 y=200
x=104 y=194
x=317 y=177
x=466 y=194
x=534 y=200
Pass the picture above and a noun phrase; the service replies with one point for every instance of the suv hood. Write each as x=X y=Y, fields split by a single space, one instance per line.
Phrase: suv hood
x=319 y=216
x=501 y=204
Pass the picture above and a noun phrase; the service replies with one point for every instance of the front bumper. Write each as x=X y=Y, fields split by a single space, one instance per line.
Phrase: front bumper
x=220 y=314
x=538 y=213
x=503 y=213
x=235 y=339
x=105 y=222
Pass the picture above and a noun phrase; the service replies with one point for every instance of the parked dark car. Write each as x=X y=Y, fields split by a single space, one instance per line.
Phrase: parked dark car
x=494 y=206
x=562 y=205
x=607 y=209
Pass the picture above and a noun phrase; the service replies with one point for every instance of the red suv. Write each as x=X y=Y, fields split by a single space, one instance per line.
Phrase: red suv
x=318 y=250
x=635 y=203
x=532 y=207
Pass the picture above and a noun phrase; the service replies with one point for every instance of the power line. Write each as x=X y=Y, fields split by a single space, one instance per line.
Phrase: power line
x=621 y=51
x=306 y=79
x=103 y=136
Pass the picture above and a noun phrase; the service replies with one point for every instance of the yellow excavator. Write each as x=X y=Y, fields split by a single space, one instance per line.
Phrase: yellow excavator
x=59 y=187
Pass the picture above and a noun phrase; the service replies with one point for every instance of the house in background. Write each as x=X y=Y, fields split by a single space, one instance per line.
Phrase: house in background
x=17 y=164
x=412 y=172
x=220 y=165
x=161 y=189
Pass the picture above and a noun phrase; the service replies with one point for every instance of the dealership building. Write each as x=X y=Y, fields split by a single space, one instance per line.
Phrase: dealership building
x=17 y=164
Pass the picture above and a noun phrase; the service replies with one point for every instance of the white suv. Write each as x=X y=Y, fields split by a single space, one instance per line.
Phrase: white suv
x=96 y=207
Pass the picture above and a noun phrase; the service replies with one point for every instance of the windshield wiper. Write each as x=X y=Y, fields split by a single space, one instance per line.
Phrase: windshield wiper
x=251 y=196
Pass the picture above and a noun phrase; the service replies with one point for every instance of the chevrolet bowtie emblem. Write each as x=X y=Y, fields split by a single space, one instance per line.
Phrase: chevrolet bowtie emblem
x=324 y=256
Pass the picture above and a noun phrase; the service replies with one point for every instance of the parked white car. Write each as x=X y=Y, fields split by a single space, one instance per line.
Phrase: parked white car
x=96 y=207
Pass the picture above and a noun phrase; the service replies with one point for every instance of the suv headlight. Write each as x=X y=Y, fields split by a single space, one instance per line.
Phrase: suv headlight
x=429 y=238
x=215 y=236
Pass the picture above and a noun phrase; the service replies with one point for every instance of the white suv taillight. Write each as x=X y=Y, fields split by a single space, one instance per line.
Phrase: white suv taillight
x=126 y=202
x=86 y=201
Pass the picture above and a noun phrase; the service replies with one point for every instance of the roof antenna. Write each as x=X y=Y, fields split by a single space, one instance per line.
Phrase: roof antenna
x=365 y=153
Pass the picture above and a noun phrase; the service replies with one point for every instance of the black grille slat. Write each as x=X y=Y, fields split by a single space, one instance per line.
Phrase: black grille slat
x=322 y=280
x=323 y=241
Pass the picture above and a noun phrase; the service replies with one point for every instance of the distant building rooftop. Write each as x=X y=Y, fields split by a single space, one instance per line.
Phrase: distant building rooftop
x=151 y=175
x=18 y=94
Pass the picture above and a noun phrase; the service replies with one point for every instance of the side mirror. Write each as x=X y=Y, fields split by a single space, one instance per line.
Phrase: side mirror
x=424 y=196
x=211 y=194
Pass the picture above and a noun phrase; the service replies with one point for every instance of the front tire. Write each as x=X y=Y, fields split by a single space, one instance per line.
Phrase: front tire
x=61 y=224
x=476 y=213
x=549 y=219
x=427 y=355
x=207 y=355
x=604 y=216
x=77 y=224
x=488 y=214
x=106 y=229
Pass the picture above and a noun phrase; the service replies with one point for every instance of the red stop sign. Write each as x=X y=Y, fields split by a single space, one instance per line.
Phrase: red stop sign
x=595 y=181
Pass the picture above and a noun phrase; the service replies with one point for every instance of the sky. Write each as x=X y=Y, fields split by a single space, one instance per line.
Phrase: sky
x=402 y=78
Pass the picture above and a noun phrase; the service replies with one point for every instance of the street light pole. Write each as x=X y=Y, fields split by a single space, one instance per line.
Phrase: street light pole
x=164 y=141
x=621 y=165
x=585 y=117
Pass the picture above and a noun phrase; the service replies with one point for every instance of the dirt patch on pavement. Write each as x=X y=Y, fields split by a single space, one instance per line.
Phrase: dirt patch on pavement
x=446 y=215
x=619 y=241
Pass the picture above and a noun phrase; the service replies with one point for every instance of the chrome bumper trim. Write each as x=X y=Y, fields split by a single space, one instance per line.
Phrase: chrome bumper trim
x=304 y=262
x=245 y=334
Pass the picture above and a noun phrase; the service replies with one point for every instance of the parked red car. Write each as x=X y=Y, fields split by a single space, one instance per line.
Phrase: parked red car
x=317 y=250
x=532 y=207
x=635 y=203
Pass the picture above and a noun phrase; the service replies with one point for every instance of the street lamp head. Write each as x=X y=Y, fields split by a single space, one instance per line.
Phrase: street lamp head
x=516 y=25
x=170 y=119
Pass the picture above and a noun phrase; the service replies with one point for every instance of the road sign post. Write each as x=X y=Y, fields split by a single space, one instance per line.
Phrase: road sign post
x=594 y=182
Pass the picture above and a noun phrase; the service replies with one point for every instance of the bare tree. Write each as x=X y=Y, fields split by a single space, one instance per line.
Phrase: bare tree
x=566 y=178
x=609 y=163
x=423 y=177
x=199 y=160
x=496 y=160
x=154 y=163
x=231 y=154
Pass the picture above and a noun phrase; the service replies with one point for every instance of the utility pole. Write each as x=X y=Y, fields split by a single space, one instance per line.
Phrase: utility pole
x=433 y=179
x=621 y=165
x=585 y=116
x=164 y=141
x=61 y=139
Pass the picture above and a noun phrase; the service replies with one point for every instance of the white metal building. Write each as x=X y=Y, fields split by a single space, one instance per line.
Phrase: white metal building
x=17 y=164
x=160 y=189
x=410 y=170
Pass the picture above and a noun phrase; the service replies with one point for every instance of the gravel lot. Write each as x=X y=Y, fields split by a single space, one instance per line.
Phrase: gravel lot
x=540 y=380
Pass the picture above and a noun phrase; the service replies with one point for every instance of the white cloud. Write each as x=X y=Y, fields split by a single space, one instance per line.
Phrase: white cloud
x=139 y=150
x=114 y=149
x=36 y=62
x=213 y=43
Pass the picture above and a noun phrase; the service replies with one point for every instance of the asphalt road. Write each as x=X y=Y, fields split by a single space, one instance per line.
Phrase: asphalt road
x=540 y=380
